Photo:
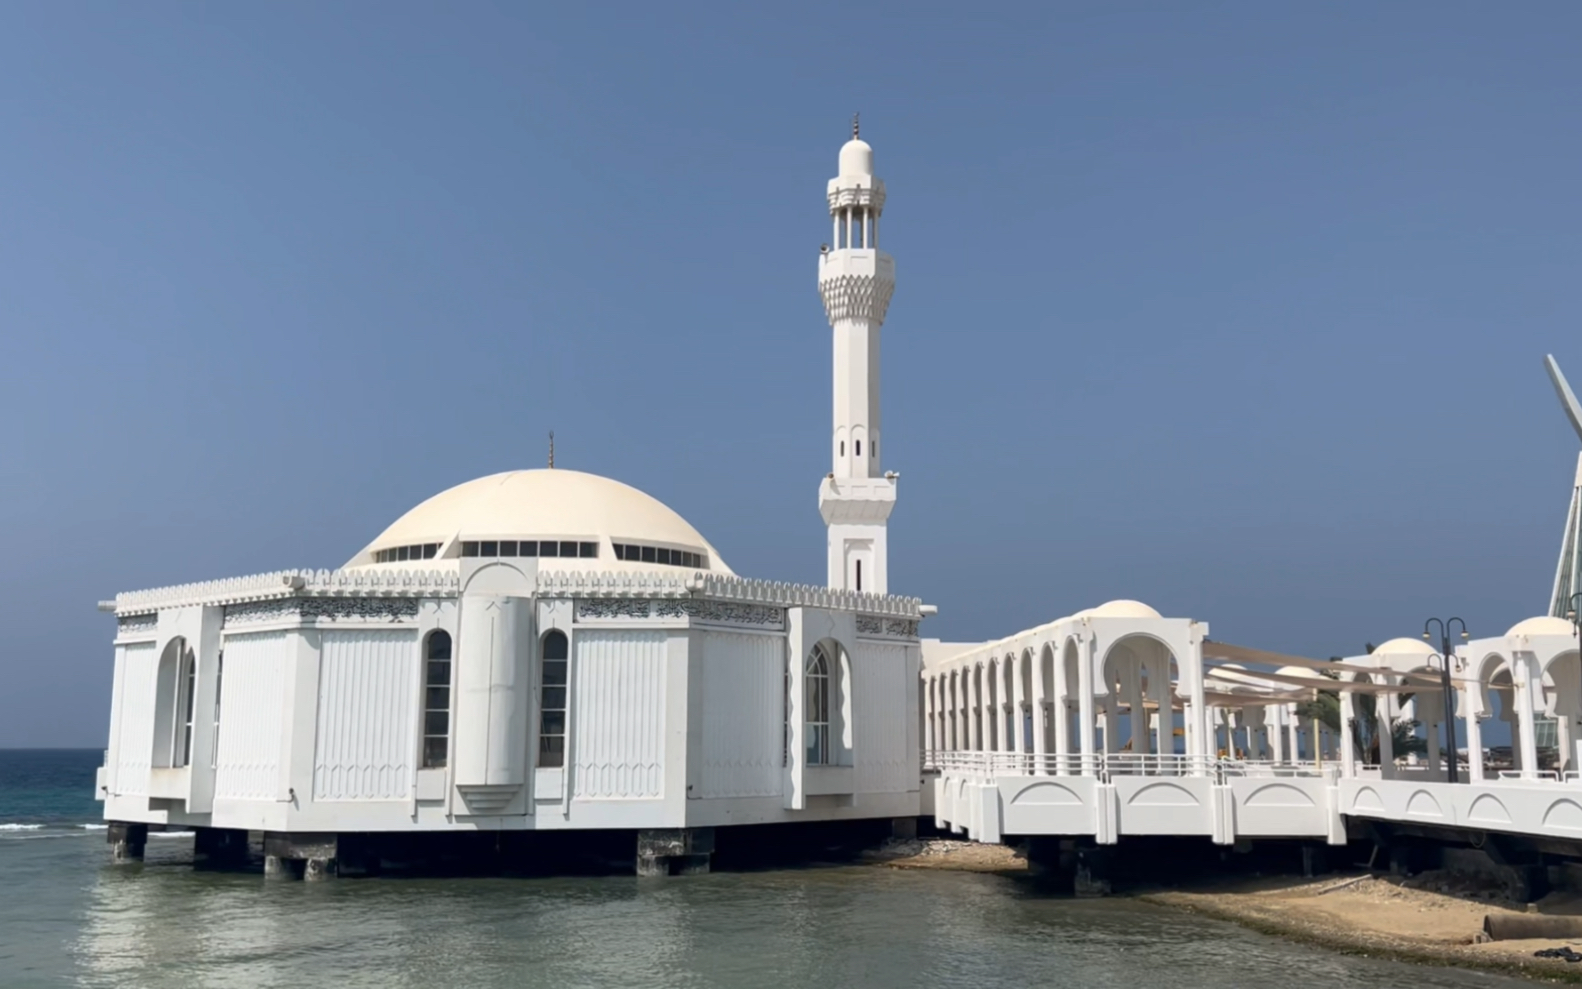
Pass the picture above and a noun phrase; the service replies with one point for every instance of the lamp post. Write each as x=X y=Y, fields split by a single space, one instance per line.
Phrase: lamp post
x=1444 y=680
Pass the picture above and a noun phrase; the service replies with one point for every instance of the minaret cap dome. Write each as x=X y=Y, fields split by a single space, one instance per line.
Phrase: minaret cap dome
x=856 y=157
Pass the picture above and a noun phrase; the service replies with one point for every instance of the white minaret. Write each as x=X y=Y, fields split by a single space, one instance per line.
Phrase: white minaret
x=856 y=280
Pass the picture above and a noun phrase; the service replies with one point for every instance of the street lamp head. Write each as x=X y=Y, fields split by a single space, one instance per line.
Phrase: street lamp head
x=1425 y=635
x=1465 y=635
x=1572 y=614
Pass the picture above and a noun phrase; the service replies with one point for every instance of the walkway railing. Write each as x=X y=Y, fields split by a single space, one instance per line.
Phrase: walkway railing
x=989 y=765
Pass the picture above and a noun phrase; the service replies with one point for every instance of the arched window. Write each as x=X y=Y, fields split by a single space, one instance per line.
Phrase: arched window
x=436 y=700
x=188 y=692
x=817 y=721
x=219 y=695
x=552 y=701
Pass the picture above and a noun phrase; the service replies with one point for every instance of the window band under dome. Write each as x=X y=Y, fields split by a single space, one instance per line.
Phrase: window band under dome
x=639 y=553
x=400 y=554
x=531 y=547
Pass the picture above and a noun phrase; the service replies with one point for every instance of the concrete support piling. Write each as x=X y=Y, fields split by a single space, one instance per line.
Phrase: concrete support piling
x=127 y=841
x=219 y=848
x=311 y=856
x=674 y=851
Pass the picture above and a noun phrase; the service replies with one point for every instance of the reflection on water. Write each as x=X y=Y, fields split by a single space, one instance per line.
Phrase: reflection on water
x=71 y=920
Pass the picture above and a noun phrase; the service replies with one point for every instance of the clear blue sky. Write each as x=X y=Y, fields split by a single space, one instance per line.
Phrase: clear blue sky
x=1238 y=309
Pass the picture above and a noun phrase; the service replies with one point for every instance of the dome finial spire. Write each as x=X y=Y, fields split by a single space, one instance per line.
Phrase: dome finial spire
x=551 y=449
x=854 y=129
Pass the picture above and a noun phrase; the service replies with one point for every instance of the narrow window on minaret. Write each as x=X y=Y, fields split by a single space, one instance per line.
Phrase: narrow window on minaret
x=859 y=448
x=859 y=575
x=843 y=448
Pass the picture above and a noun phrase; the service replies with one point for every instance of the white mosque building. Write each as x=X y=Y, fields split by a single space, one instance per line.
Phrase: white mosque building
x=548 y=652
x=543 y=650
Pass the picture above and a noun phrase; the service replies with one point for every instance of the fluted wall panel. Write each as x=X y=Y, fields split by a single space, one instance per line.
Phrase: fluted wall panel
x=619 y=718
x=880 y=672
x=363 y=746
x=134 y=743
x=252 y=714
x=743 y=715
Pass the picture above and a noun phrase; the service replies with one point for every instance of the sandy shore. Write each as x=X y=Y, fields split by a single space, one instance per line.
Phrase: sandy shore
x=1434 y=919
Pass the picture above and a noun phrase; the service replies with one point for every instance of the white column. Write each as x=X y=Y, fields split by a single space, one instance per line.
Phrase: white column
x=1382 y=704
x=955 y=712
x=1019 y=702
x=1527 y=731
x=1474 y=748
x=1293 y=732
x=1040 y=707
x=1433 y=749
x=1274 y=717
x=1085 y=719
x=930 y=707
x=1348 y=742
x=1191 y=665
x=975 y=706
x=1138 y=717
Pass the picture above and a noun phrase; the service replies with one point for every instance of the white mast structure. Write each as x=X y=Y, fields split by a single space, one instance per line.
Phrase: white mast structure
x=856 y=280
x=1568 y=573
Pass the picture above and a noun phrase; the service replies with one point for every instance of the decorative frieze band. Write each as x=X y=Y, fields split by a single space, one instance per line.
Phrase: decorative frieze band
x=899 y=627
x=137 y=624
x=723 y=612
x=321 y=611
x=643 y=609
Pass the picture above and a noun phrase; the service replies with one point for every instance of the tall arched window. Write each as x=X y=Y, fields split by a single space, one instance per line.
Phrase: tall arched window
x=436 y=700
x=552 y=701
x=817 y=721
x=188 y=690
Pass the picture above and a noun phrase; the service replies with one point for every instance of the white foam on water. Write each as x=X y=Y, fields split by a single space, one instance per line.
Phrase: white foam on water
x=96 y=827
x=170 y=834
x=21 y=827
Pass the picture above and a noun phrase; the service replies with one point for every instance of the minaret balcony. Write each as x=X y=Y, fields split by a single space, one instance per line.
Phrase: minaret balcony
x=856 y=284
x=856 y=500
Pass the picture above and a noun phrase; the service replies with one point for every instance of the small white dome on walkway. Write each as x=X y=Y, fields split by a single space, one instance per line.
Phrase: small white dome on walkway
x=1543 y=625
x=1122 y=608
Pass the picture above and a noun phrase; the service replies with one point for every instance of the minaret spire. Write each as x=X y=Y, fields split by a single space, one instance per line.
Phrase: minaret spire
x=856 y=280
x=551 y=449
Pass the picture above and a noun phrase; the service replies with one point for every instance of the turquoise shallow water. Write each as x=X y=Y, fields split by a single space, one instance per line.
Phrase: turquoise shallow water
x=67 y=918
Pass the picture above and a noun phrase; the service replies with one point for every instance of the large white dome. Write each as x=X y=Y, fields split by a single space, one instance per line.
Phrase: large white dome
x=550 y=505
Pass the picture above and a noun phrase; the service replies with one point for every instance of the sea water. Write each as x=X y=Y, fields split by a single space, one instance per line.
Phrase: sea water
x=69 y=918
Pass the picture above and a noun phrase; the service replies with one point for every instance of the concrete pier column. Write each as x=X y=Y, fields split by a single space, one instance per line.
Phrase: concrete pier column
x=674 y=851
x=219 y=848
x=1092 y=876
x=126 y=841
x=317 y=851
x=318 y=869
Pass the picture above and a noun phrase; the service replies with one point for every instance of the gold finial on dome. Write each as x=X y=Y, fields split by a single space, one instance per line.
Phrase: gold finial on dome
x=551 y=449
x=854 y=125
